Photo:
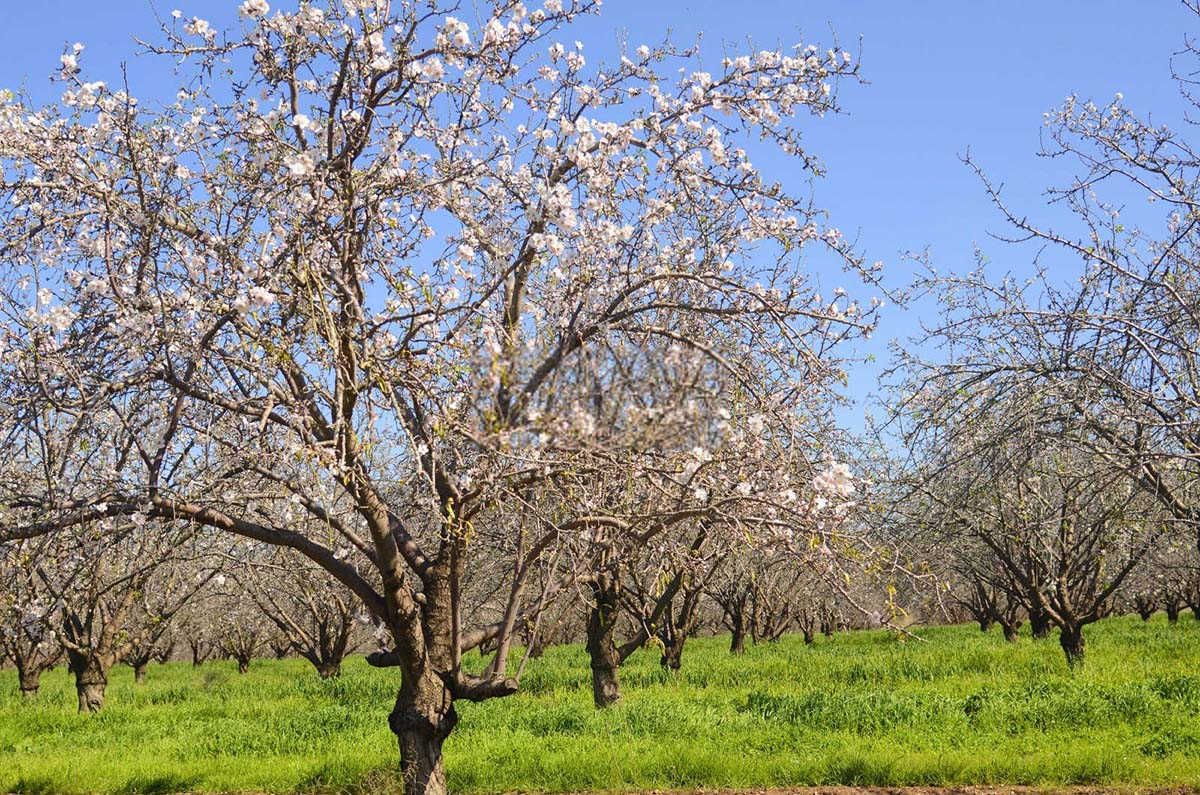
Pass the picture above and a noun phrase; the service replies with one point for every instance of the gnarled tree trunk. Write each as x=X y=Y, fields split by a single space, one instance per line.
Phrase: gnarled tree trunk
x=91 y=678
x=672 y=656
x=422 y=719
x=601 y=648
x=30 y=678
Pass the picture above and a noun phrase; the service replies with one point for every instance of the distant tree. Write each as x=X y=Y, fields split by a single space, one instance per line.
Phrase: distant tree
x=1037 y=514
x=28 y=636
x=315 y=616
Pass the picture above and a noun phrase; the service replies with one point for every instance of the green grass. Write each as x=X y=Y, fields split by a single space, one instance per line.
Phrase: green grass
x=861 y=709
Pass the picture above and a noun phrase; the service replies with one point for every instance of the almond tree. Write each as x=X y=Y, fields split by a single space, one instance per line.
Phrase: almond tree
x=97 y=583
x=1035 y=511
x=28 y=635
x=152 y=625
x=1106 y=328
x=734 y=594
x=315 y=615
x=365 y=244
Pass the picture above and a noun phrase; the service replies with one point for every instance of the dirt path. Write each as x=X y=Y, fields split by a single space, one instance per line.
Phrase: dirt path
x=951 y=790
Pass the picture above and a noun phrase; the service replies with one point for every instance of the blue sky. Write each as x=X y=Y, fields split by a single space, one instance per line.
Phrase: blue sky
x=945 y=76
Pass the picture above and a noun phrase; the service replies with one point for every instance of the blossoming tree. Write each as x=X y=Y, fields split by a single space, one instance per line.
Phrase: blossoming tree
x=367 y=250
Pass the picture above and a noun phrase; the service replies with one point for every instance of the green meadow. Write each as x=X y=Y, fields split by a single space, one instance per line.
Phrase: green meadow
x=862 y=708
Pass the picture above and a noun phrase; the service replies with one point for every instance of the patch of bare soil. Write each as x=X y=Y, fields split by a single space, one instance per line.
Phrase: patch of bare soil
x=952 y=790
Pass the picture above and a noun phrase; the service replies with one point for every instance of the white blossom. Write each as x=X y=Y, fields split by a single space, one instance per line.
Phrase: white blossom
x=254 y=8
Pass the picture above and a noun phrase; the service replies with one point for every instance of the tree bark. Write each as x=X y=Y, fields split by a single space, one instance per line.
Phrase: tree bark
x=91 y=677
x=139 y=672
x=602 y=650
x=672 y=656
x=1010 y=630
x=1071 y=640
x=422 y=719
x=737 y=640
x=329 y=670
x=30 y=678
x=1039 y=623
x=243 y=664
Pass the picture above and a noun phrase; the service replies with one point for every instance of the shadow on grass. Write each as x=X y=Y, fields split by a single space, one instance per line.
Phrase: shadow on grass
x=332 y=778
x=34 y=786
x=156 y=785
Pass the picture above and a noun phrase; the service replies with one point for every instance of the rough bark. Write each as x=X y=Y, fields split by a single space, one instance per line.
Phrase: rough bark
x=422 y=719
x=29 y=678
x=91 y=678
x=243 y=664
x=139 y=672
x=1011 y=629
x=601 y=648
x=329 y=670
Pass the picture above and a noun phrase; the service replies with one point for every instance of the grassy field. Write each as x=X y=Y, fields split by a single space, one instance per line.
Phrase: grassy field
x=862 y=708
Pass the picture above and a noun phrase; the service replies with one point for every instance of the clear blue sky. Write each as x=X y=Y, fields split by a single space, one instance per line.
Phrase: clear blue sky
x=944 y=76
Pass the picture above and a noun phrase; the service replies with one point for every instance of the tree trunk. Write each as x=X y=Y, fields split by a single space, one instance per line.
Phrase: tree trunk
x=808 y=637
x=737 y=641
x=139 y=671
x=422 y=719
x=30 y=678
x=672 y=656
x=1010 y=630
x=243 y=664
x=605 y=660
x=91 y=677
x=1039 y=623
x=1071 y=639
x=329 y=670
